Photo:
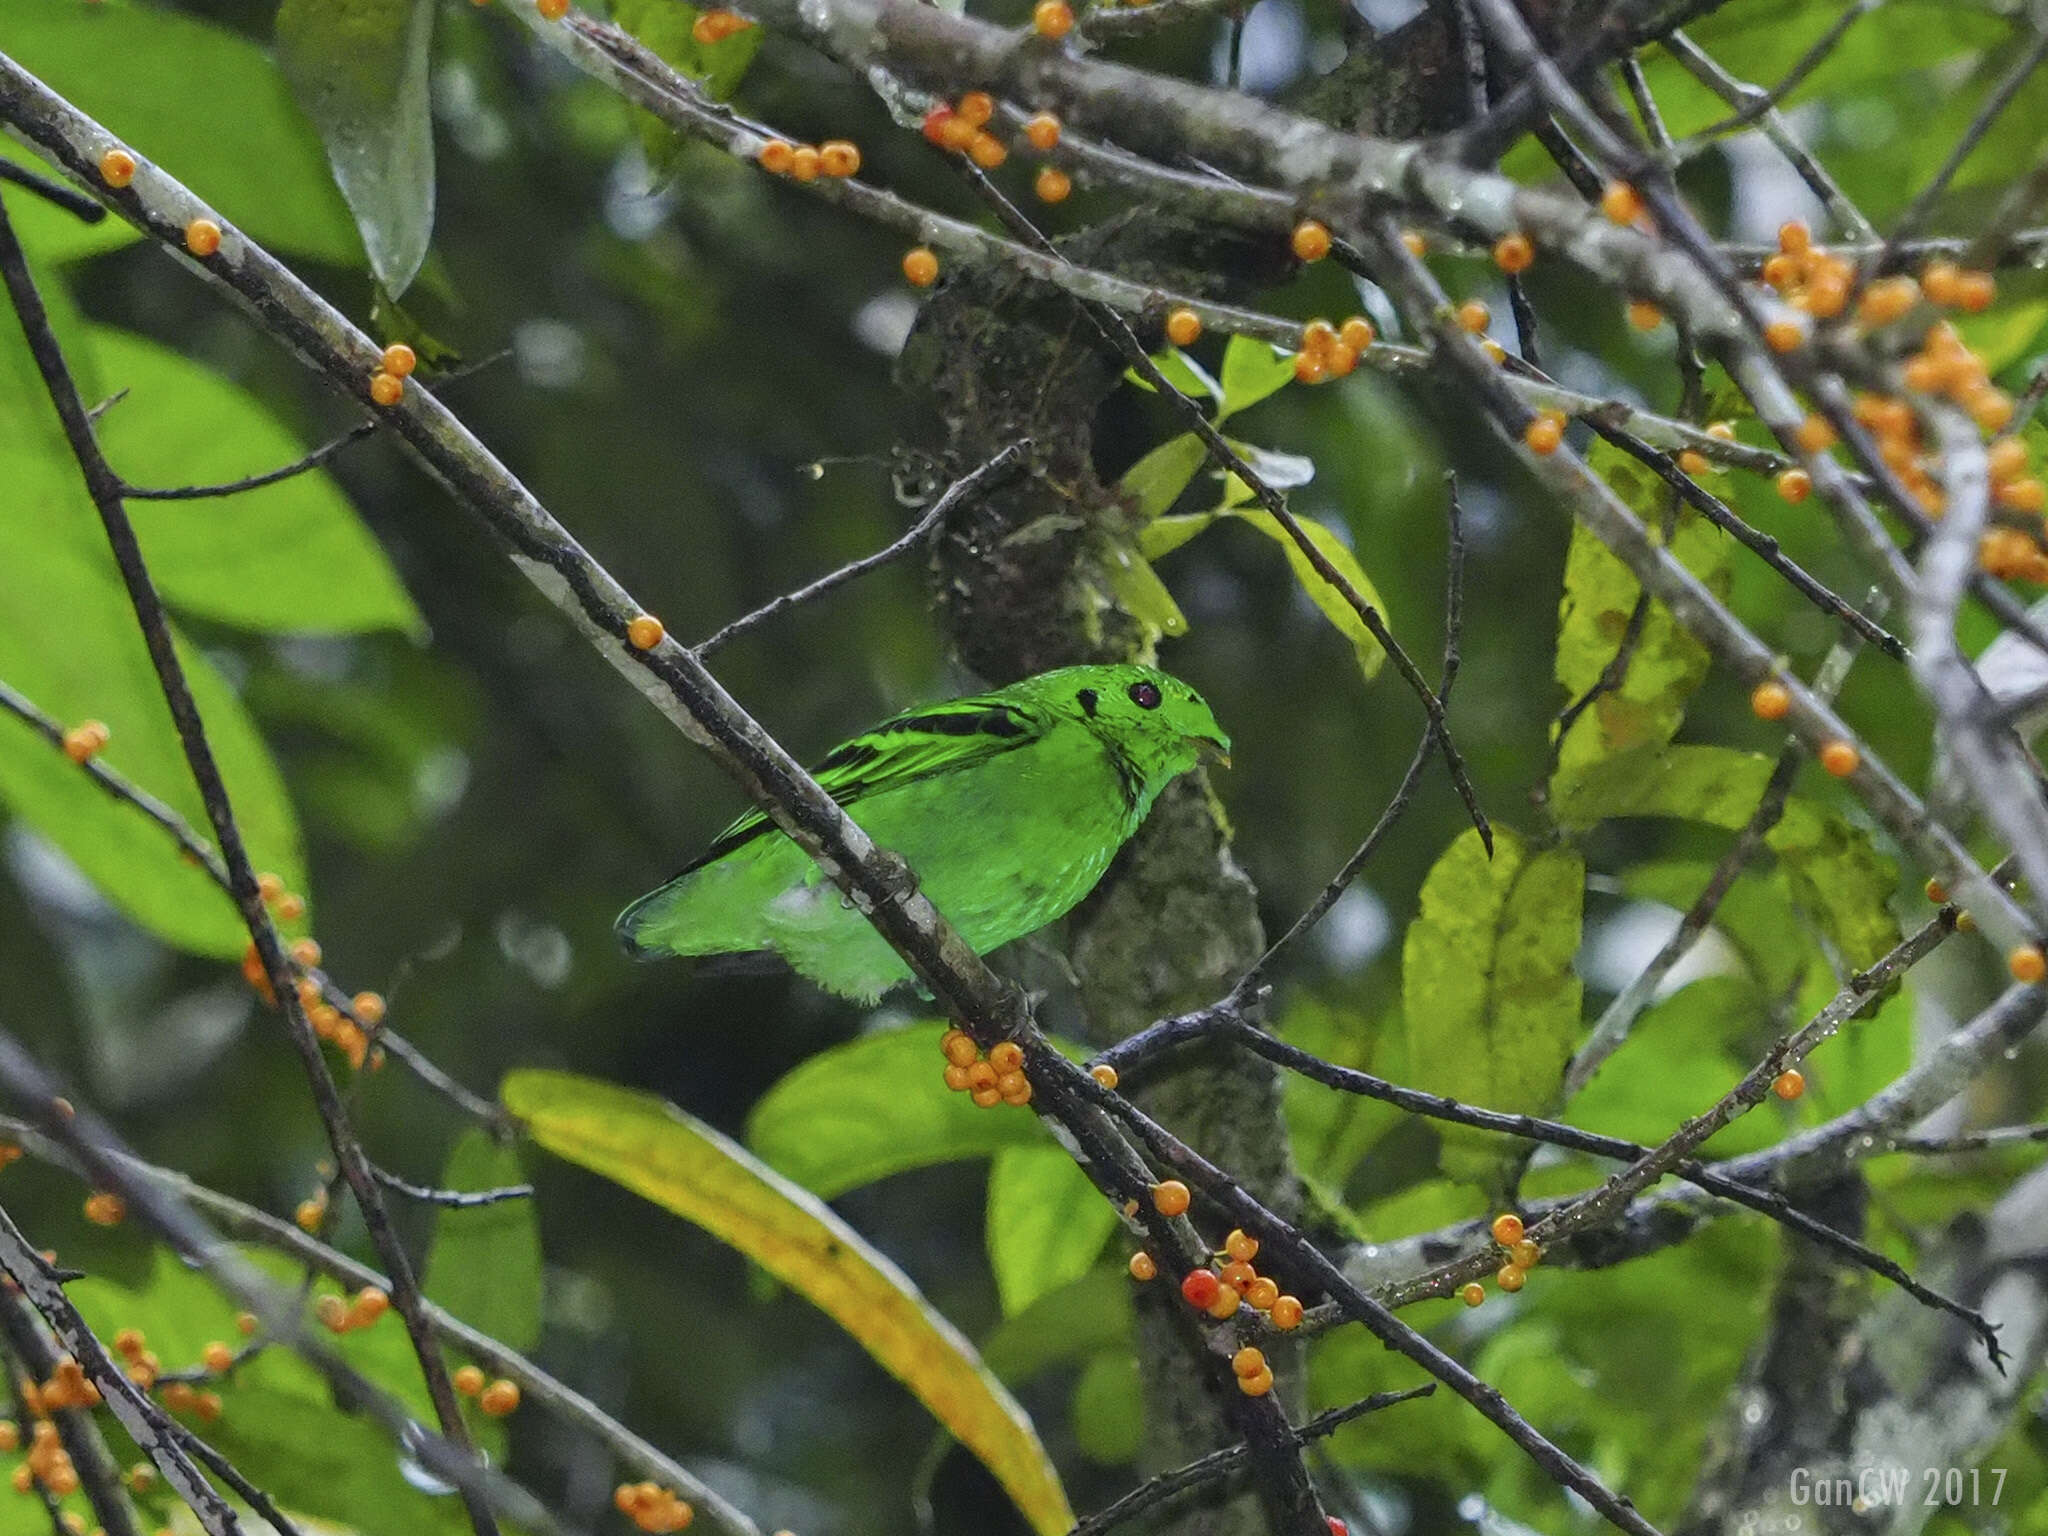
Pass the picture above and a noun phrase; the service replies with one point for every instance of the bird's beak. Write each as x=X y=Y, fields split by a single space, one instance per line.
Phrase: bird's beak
x=1215 y=749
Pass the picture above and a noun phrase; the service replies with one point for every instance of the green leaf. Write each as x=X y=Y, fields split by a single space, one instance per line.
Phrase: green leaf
x=1090 y=1315
x=1156 y=481
x=485 y=1265
x=1325 y=596
x=280 y=1426
x=1046 y=1223
x=292 y=556
x=1282 y=471
x=1840 y=880
x=682 y=1165
x=1182 y=372
x=1716 y=785
x=1488 y=990
x=1142 y=594
x=1252 y=370
x=1163 y=535
x=873 y=1107
x=1331 y=1132
x=1109 y=1409
x=69 y=641
x=203 y=102
x=359 y=68
x=1666 y=664
x=664 y=26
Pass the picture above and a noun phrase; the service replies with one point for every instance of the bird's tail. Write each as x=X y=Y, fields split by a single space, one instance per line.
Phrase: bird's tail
x=712 y=910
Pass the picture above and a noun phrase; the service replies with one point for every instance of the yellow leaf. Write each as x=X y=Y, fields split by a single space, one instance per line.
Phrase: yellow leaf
x=652 y=1148
x=1325 y=596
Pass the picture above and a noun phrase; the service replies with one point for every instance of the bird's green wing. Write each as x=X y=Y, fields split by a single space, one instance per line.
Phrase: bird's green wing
x=917 y=744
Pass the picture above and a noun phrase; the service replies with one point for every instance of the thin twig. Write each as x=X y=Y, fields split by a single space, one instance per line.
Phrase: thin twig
x=70 y=199
x=970 y=484
x=453 y=1199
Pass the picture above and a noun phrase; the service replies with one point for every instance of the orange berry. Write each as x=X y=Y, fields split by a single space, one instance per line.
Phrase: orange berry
x=386 y=390
x=1991 y=409
x=838 y=157
x=1784 y=335
x=1770 y=701
x=1142 y=1266
x=956 y=133
x=2027 y=964
x=1472 y=1292
x=1975 y=292
x=1042 y=130
x=1171 y=1198
x=1286 y=1313
x=1309 y=369
x=1941 y=282
x=1357 y=333
x=306 y=952
x=1104 y=1074
x=1261 y=1294
x=776 y=156
x=1183 y=327
x=1814 y=435
x=1781 y=272
x=499 y=1398
x=117 y=168
x=987 y=151
x=1543 y=436
x=1248 y=1361
x=1937 y=893
x=1794 y=238
x=959 y=1048
x=1887 y=300
x=1241 y=1245
x=400 y=360
x=956 y=1079
x=805 y=163
x=2006 y=459
x=1621 y=202
x=980 y=1075
x=1009 y=1084
x=1840 y=758
x=2020 y=495
x=976 y=108
x=1052 y=19
x=920 y=267
x=84 y=742
x=1226 y=1302
x=1795 y=485
x=1006 y=1056
x=1966 y=922
x=552 y=10
x=644 y=632
x=1494 y=351
x=202 y=237
x=310 y=1214
x=468 y=1380
x=245 y=1323
x=1721 y=431
x=1256 y=1386
x=1507 y=1228
x=1239 y=1275
x=1052 y=184
x=370 y=1304
x=1644 y=315
x=269 y=887
x=208 y=1405
x=1513 y=253
x=369 y=1008
x=1510 y=1277
x=1414 y=242
x=1474 y=316
x=290 y=907
x=1789 y=1084
x=217 y=1357
x=104 y=1208
x=1693 y=462
x=1526 y=1254
x=985 y=1098
x=1310 y=240
x=935 y=121
x=332 y=1312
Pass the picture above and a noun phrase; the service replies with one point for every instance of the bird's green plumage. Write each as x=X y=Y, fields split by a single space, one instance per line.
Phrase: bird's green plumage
x=1008 y=805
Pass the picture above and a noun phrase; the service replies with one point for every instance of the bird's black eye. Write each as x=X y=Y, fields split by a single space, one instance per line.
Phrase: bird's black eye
x=1145 y=695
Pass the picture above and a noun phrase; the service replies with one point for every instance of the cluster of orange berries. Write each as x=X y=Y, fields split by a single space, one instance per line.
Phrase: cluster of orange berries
x=1524 y=1253
x=84 y=742
x=1331 y=351
x=996 y=1079
x=496 y=1398
x=838 y=158
x=47 y=1462
x=339 y=1314
x=387 y=384
x=716 y=26
x=1234 y=1282
x=68 y=1387
x=652 y=1507
x=962 y=127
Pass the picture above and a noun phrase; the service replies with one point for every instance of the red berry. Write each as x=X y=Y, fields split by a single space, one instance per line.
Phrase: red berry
x=1201 y=1288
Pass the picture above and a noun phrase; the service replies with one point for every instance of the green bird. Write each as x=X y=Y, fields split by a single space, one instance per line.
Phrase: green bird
x=1008 y=805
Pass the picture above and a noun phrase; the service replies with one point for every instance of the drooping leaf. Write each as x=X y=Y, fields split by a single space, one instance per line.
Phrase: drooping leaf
x=163 y=81
x=1143 y=595
x=1488 y=991
x=1634 y=721
x=682 y=1165
x=485 y=1265
x=1838 y=877
x=873 y=1107
x=1252 y=370
x=1108 y=1409
x=293 y=556
x=1079 y=1319
x=359 y=68
x=1155 y=482
x=1716 y=785
x=1045 y=1225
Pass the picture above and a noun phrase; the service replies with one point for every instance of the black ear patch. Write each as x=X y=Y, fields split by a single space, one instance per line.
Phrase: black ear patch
x=1086 y=699
x=1145 y=695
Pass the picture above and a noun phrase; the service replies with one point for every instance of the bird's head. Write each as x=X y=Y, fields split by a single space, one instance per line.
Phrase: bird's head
x=1157 y=722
